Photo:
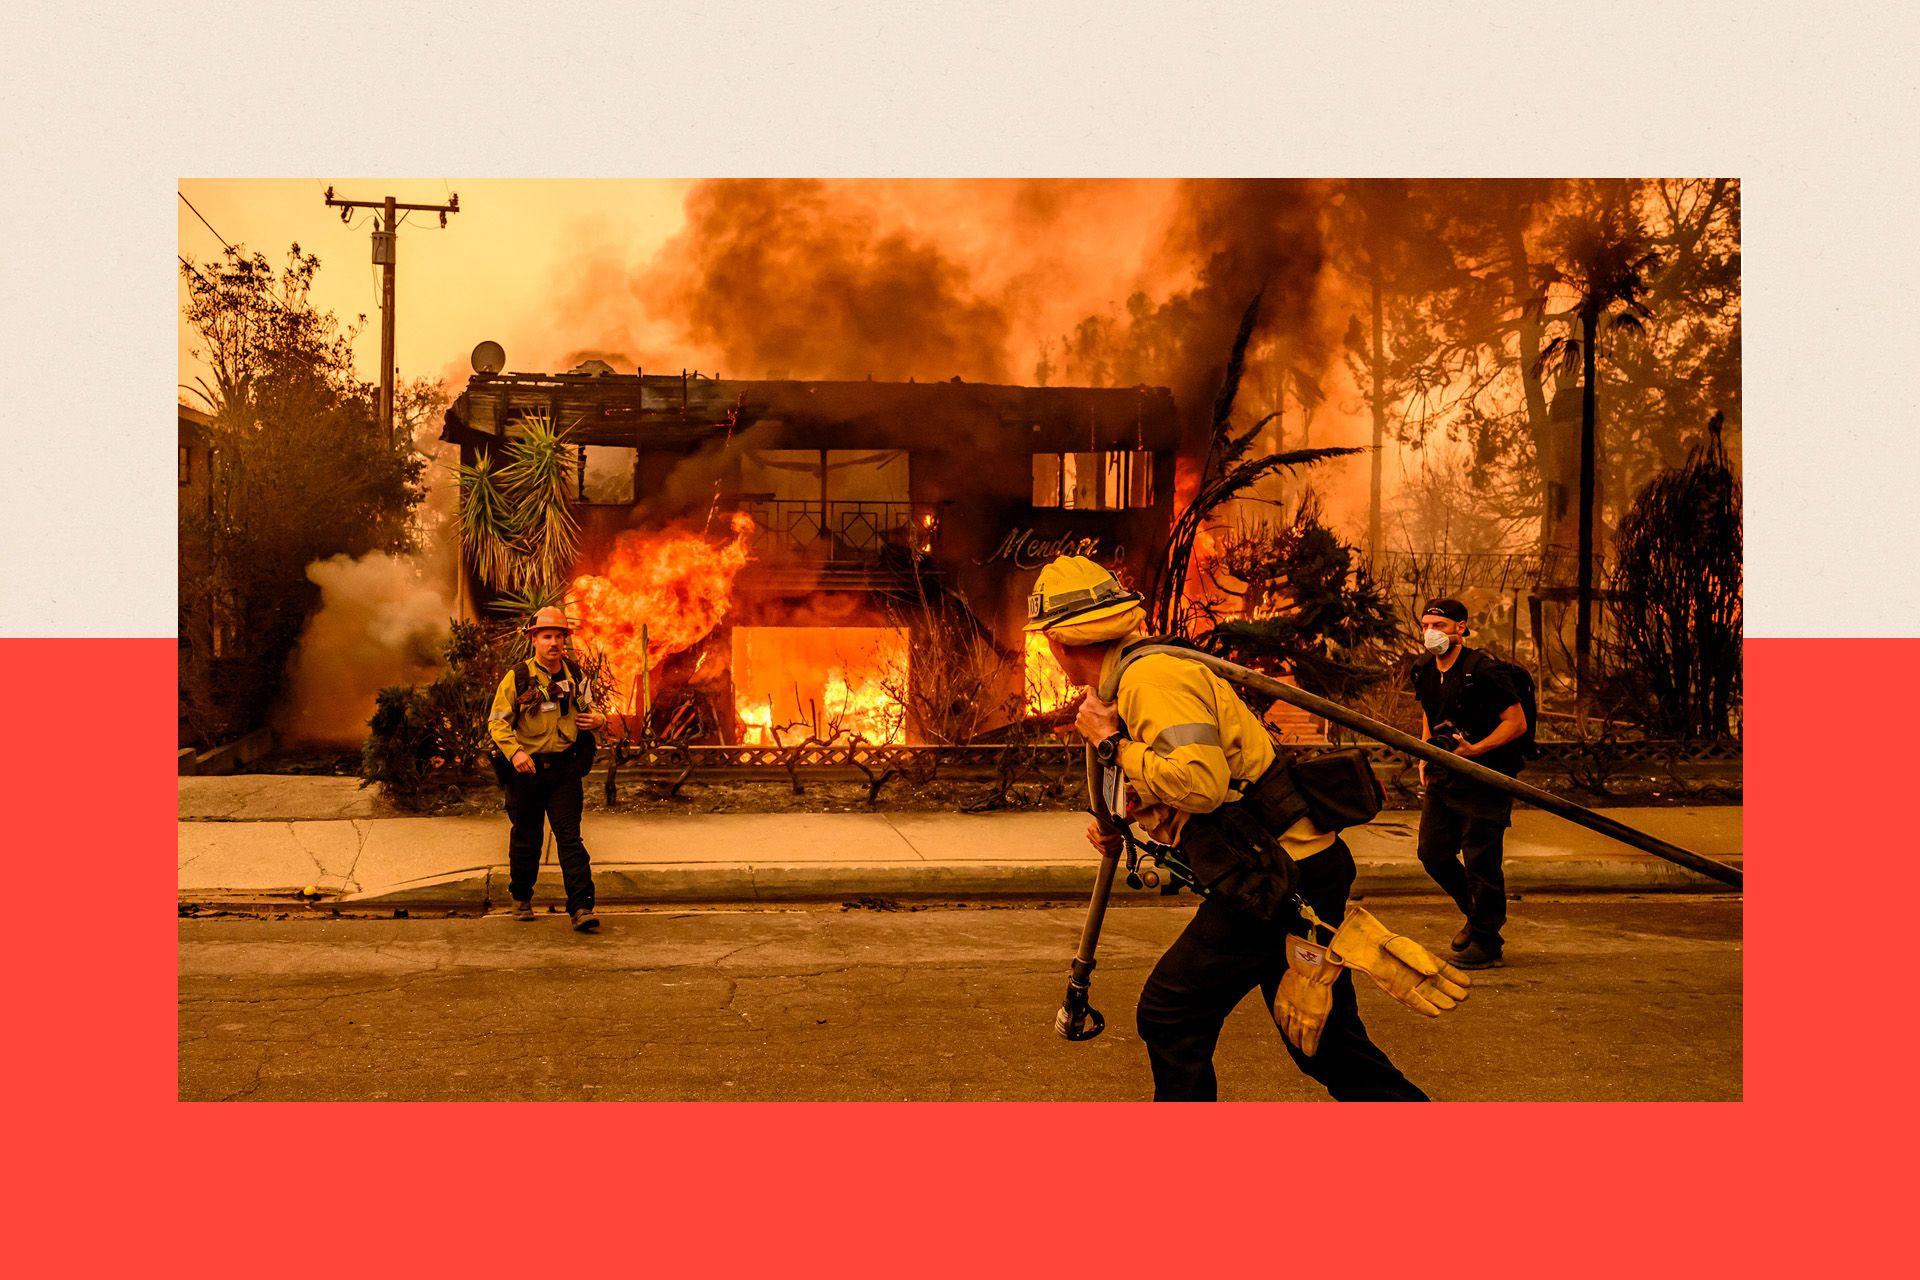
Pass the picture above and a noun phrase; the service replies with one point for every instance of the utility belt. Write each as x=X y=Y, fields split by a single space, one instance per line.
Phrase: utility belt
x=1235 y=851
x=577 y=757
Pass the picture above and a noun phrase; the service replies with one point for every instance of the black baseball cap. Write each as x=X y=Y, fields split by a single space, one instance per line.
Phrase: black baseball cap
x=1446 y=607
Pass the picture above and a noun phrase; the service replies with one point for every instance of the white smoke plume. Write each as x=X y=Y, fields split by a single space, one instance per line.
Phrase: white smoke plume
x=382 y=620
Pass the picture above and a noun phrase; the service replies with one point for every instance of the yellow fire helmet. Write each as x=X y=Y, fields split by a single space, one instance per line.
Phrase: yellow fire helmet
x=1073 y=591
x=549 y=618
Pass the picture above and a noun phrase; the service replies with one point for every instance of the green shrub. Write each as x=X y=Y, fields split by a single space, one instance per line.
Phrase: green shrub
x=427 y=743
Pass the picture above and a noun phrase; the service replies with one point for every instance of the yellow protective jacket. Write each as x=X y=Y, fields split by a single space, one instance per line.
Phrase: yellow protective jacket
x=1191 y=745
x=539 y=731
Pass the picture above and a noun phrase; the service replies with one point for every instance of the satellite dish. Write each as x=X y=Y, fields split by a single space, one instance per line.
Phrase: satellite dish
x=489 y=357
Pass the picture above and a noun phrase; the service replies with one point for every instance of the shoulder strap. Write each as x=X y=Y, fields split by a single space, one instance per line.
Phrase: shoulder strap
x=1485 y=660
x=520 y=673
x=1139 y=649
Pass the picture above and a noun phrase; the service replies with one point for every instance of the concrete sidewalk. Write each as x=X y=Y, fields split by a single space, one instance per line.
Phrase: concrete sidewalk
x=321 y=837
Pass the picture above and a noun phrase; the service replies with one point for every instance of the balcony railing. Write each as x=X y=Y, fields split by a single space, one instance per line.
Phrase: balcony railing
x=843 y=531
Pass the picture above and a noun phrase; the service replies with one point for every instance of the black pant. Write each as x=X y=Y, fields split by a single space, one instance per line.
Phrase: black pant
x=1463 y=832
x=1223 y=954
x=551 y=793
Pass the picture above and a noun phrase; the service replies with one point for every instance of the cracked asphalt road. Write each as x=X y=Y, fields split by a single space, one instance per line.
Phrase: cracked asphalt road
x=1602 y=999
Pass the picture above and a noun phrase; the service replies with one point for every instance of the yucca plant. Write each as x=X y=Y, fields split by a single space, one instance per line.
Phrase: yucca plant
x=531 y=599
x=539 y=480
x=488 y=523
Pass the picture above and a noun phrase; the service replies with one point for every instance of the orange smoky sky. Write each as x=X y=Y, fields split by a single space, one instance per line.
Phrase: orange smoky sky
x=494 y=272
x=813 y=275
x=1067 y=282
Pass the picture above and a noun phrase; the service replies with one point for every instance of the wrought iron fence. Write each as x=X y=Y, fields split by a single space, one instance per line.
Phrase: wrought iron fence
x=1554 y=756
x=844 y=530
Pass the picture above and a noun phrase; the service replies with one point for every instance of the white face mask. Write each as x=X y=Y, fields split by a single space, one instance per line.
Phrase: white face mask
x=1436 y=641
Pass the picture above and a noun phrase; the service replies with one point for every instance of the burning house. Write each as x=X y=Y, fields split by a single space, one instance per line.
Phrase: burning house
x=767 y=557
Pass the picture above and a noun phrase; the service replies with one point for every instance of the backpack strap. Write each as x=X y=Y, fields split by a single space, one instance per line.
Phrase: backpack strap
x=1110 y=688
x=522 y=680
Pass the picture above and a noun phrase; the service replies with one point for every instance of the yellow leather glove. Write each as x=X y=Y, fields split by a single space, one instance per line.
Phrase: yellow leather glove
x=1397 y=964
x=1305 y=997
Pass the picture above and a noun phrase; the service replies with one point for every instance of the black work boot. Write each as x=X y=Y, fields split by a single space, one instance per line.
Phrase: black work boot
x=1462 y=938
x=1479 y=955
x=523 y=908
x=584 y=921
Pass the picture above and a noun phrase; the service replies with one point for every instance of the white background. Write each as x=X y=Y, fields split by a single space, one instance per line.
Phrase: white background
x=102 y=110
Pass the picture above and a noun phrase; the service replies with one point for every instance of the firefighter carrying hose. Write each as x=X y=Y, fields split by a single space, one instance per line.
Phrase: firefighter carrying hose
x=1189 y=763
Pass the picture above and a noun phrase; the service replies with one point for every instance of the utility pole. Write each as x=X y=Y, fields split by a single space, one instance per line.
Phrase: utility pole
x=385 y=240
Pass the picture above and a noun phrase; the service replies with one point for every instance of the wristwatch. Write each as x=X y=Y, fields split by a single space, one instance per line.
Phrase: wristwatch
x=1107 y=750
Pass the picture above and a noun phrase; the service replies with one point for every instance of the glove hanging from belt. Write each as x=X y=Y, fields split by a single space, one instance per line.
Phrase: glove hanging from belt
x=1397 y=964
x=1305 y=999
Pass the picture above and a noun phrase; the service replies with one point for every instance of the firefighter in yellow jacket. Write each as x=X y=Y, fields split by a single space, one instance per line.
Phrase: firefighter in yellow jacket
x=541 y=723
x=1185 y=761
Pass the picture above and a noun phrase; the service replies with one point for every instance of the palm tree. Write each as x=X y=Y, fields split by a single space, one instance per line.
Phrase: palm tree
x=1606 y=258
x=1676 y=596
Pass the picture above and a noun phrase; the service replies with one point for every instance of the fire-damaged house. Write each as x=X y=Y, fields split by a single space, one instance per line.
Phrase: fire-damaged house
x=827 y=547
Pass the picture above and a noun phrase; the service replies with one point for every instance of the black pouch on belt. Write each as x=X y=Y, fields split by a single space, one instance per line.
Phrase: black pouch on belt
x=1235 y=850
x=1339 y=788
x=579 y=756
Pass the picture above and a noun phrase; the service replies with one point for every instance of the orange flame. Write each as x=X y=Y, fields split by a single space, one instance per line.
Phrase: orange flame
x=1047 y=686
x=1206 y=545
x=826 y=682
x=1186 y=482
x=678 y=585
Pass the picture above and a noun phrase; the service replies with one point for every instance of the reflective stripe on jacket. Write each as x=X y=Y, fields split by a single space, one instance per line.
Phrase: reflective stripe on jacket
x=1192 y=744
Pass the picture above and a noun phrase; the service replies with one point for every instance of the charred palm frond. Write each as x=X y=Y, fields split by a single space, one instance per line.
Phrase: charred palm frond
x=1170 y=587
x=1226 y=472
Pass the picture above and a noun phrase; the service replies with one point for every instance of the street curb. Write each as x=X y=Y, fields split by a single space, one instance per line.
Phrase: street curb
x=645 y=884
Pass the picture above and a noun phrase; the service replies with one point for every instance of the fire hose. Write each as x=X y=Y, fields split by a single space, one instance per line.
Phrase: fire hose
x=1077 y=1020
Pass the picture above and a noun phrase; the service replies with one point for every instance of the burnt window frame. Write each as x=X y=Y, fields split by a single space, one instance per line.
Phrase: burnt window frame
x=581 y=498
x=1136 y=477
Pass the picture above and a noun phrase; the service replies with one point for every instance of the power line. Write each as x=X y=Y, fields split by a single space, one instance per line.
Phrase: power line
x=224 y=242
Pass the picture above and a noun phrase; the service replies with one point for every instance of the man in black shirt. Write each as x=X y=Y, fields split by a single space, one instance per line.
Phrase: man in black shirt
x=1468 y=703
